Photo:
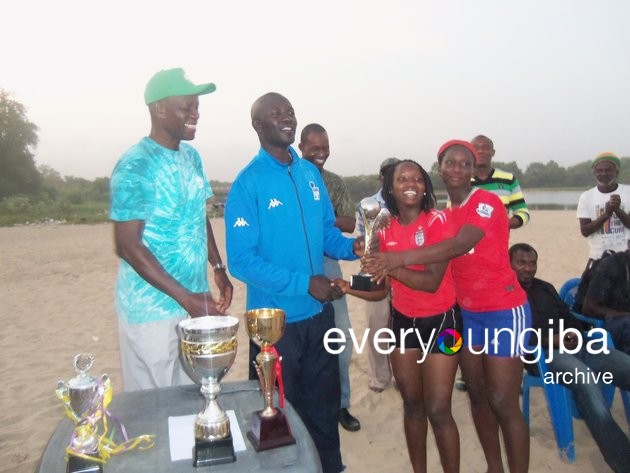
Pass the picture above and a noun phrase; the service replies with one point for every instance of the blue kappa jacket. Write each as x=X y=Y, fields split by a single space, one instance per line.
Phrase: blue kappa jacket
x=279 y=224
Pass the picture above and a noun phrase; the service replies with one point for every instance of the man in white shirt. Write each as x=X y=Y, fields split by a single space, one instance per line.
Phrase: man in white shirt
x=603 y=210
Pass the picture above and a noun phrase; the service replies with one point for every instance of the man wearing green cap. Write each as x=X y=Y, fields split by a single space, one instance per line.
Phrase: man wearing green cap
x=603 y=210
x=163 y=236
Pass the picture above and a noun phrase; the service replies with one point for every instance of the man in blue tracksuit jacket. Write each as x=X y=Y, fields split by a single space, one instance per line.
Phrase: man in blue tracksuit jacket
x=279 y=224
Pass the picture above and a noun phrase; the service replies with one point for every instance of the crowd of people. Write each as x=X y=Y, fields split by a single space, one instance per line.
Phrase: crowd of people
x=445 y=271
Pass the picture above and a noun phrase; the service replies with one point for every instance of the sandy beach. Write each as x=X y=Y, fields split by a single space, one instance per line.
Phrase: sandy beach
x=56 y=300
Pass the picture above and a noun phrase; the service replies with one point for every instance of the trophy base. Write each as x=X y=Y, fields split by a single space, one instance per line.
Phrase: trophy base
x=363 y=282
x=270 y=432
x=83 y=465
x=213 y=452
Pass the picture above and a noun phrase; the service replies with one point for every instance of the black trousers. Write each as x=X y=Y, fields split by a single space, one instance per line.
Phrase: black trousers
x=311 y=382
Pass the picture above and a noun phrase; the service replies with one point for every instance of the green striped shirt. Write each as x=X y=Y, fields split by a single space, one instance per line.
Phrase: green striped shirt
x=506 y=186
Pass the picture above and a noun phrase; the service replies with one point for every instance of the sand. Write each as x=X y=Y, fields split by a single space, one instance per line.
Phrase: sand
x=56 y=300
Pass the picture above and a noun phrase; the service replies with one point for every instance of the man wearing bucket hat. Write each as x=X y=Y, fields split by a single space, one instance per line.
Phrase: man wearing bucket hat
x=163 y=236
x=603 y=210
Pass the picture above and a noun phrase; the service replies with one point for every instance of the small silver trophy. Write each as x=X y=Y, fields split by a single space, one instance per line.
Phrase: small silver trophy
x=374 y=217
x=83 y=398
x=209 y=348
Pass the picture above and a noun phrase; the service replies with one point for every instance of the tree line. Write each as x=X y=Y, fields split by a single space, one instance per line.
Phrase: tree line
x=24 y=186
x=537 y=175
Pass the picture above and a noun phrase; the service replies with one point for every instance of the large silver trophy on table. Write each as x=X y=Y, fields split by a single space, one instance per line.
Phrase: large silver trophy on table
x=374 y=218
x=269 y=427
x=209 y=348
x=84 y=397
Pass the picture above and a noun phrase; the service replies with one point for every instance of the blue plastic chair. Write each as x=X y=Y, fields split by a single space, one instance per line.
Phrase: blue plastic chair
x=568 y=291
x=559 y=404
x=559 y=398
x=567 y=294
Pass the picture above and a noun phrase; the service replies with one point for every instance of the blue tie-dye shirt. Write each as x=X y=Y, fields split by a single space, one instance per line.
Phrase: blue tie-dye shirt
x=167 y=190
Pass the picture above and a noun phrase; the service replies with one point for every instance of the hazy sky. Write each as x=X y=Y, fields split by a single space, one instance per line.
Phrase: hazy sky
x=544 y=79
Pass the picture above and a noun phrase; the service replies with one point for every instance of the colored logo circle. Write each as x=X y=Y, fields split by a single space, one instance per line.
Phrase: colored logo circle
x=450 y=341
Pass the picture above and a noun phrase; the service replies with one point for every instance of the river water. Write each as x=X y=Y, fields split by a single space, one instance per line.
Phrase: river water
x=551 y=197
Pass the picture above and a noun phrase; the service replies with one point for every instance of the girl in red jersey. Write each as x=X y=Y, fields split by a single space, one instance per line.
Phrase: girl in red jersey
x=494 y=307
x=423 y=307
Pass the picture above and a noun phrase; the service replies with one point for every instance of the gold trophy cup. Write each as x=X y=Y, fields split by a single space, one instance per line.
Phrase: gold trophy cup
x=269 y=427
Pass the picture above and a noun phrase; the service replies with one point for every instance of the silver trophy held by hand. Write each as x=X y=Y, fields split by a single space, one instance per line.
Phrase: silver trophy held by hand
x=374 y=218
x=83 y=397
x=208 y=347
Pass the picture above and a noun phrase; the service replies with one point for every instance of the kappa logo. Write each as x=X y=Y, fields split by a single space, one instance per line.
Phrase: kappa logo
x=241 y=222
x=273 y=203
x=485 y=210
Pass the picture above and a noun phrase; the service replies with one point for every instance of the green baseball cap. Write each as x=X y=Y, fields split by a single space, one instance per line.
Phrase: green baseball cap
x=173 y=83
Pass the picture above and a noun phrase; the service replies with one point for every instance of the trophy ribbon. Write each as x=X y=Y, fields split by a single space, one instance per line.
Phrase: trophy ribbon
x=272 y=349
x=107 y=446
x=141 y=442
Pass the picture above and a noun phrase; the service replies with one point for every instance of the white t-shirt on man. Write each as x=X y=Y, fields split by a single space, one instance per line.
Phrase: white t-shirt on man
x=612 y=235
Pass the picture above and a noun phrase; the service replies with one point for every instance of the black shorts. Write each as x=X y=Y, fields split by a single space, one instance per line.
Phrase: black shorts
x=425 y=328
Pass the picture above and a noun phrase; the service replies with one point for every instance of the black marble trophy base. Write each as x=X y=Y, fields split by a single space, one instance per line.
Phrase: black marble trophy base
x=363 y=282
x=213 y=452
x=270 y=432
x=83 y=465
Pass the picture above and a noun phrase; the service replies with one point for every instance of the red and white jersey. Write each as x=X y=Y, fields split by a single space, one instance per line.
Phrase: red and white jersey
x=484 y=279
x=429 y=228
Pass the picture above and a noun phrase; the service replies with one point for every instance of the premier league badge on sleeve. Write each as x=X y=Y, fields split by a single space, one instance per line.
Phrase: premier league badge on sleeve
x=485 y=210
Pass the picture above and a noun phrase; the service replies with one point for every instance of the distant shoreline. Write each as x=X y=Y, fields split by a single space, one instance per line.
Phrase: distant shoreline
x=537 y=199
x=543 y=198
